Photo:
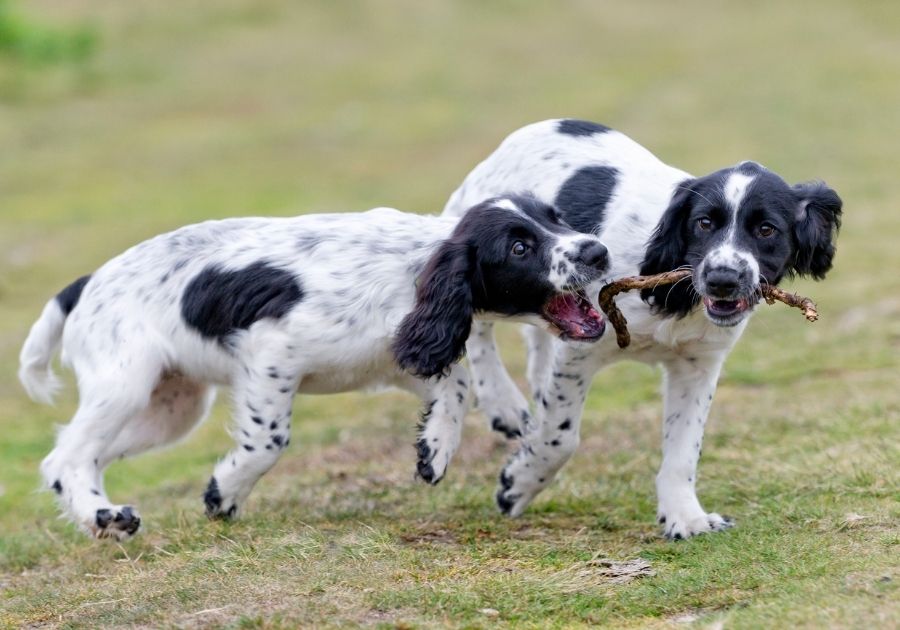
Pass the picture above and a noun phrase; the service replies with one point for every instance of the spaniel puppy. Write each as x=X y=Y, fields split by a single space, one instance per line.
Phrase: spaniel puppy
x=735 y=229
x=272 y=307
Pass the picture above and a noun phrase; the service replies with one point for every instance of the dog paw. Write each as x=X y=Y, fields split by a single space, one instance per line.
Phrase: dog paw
x=507 y=412
x=681 y=527
x=515 y=492
x=431 y=465
x=216 y=506
x=119 y=523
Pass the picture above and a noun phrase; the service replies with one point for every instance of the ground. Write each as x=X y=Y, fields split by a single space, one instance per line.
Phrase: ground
x=231 y=108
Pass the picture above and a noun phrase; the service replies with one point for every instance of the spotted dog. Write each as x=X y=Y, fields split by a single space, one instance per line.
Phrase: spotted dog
x=734 y=228
x=272 y=307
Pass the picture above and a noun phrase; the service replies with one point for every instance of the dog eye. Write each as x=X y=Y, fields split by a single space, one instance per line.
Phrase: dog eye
x=519 y=248
x=705 y=223
x=766 y=230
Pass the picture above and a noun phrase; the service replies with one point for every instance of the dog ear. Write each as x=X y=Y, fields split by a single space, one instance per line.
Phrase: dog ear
x=433 y=336
x=666 y=250
x=667 y=246
x=818 y=221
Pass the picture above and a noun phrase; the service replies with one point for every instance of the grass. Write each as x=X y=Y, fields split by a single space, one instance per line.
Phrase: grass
x=239 y=107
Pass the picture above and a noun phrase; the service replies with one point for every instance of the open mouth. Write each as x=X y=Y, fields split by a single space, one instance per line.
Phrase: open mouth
x=574 y=317
x=726 y=312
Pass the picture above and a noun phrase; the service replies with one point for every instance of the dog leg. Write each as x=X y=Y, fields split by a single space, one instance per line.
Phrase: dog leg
x=689 y=390
x=263 y=395
x=540 y=352
x=556 y=435
x=74 y=468
x=446 y=402
x=498 y=396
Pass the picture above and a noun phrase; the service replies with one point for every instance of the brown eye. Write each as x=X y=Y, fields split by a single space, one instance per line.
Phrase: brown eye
x=766 y=230
x=705 y=224
x=519 y=248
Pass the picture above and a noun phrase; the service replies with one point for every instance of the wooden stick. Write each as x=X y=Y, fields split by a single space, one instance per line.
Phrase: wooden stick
x=770 y=293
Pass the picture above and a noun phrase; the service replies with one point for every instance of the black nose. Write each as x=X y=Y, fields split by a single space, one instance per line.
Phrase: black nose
x=722 y=283
x=594 y=254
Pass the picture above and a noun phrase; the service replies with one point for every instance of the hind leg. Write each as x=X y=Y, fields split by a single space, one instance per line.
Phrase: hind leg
x=73 y=468
x=177 y=405
x=108 y=429
x=498 y=396
x=540 y=358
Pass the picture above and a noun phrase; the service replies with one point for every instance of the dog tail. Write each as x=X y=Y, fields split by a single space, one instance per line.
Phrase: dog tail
x=35 y=370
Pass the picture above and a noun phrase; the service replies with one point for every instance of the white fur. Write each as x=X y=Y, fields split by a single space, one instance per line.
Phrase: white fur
x=146 y=377
x=539 y=159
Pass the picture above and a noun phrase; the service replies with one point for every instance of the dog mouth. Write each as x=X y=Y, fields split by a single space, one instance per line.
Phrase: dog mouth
x=574 y=317
x=726 y=312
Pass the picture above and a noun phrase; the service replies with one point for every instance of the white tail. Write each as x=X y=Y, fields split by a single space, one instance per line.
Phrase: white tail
x=35 y=371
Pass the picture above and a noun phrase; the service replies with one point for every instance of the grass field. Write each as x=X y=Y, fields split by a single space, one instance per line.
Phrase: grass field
x=237 y=107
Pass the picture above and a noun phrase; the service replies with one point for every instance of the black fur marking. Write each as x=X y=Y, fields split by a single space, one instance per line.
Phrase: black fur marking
x=574 y=127
x=57 y=487
x=278 y=440
x=506 y=501
x=212 y=498
x=423 y=462
x=497 y=425
x=68 y=297
x=103 y=518
x=565 y=426
x=217 y=303
x=582 y=199
x=127 y=520
x=433 y=336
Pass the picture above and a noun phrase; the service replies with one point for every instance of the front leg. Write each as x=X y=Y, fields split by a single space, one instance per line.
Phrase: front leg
x=688 y=391
x=498 y=396
x=446 y=402
x=263 y=394
x=555 y=436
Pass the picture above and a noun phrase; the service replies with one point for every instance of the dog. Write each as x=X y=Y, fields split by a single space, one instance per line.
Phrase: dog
x=275 y=306
x=734 y=229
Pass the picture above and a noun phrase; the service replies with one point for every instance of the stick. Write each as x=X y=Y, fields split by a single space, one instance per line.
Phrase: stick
x=618 y=321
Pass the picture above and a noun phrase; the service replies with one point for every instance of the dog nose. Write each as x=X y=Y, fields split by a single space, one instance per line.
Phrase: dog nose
x=721 y=282
x=593 y=254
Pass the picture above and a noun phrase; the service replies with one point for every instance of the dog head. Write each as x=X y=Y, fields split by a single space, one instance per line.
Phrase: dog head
x=509 y=257
x=735 y=229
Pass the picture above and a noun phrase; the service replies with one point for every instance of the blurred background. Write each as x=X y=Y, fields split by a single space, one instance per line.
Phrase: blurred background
x=120 y=120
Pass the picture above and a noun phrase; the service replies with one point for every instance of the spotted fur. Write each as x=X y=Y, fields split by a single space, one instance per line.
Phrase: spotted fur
x=653 y=218
x=272 y=307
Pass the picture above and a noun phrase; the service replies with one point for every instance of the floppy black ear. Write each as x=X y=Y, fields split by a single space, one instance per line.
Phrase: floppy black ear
x=818 y=221
x=667 y=250
x=433 y=336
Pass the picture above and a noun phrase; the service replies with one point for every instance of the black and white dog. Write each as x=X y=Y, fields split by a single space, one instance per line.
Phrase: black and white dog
x=735 y=228
x=272 y=307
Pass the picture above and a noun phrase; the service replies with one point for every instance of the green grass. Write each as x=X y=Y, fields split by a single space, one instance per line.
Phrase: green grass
x=239 y=107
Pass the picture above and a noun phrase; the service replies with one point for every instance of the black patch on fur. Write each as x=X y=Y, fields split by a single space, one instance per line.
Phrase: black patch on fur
x=127 y=521
x=582 y=199
x=575 y=127
x=102 y=518
x=423 y=461
x=217 y=303
x=510 y=433
x=68 y=297
x=504 y=501
x=565 y=425
x=815 y=232
x=667 y=250
x=57 y=487
x=212 y=498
